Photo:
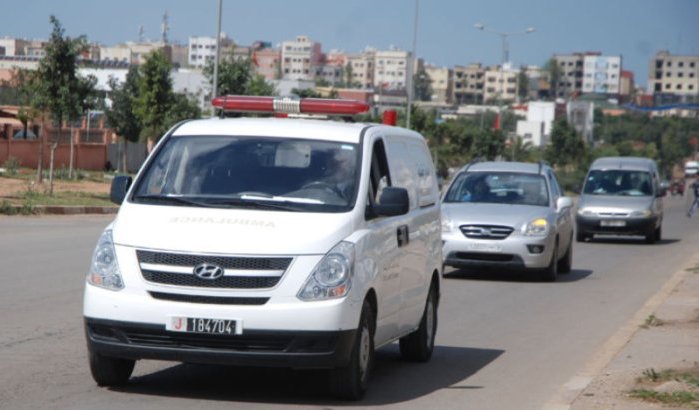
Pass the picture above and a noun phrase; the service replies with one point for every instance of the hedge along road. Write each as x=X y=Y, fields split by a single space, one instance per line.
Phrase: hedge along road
x=503 y=341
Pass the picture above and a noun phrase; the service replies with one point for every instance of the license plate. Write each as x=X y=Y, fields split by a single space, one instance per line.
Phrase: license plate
x=485 y=247
x=203 y=325
x=612 y=223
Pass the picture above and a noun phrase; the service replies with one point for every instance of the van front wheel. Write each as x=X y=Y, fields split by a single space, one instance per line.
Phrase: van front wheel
x=350 y=382
x=109 y=371
x=419 y=345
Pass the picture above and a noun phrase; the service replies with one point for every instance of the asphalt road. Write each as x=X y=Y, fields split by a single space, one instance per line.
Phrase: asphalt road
x=504 y=342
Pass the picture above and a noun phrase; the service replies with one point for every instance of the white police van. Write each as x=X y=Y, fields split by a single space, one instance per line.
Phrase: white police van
x=270 y=242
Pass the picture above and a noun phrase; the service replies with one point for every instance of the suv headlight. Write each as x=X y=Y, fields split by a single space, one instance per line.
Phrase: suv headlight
x=104 y=269
x=332 y=277
x=447 y=224
x=643 y=214
x=537 y=227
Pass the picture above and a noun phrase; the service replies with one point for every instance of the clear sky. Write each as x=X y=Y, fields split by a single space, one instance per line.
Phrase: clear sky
x=635 y=29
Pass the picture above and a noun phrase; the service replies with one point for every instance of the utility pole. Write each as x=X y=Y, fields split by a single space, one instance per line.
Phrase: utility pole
x=214 y=92
x=411 y=66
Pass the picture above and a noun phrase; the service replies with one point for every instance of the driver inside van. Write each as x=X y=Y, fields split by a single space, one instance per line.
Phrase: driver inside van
x=339 y=172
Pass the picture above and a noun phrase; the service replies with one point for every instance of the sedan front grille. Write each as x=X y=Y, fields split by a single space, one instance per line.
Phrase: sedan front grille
x=486 y=231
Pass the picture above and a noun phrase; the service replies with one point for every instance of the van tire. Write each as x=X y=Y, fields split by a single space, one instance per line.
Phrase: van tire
x=419 y=345
x=350 y=382
x=650 y=236
x=658 y=233
x=110 y=371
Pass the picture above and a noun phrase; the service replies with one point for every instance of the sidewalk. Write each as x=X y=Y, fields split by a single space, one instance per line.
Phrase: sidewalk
x=68 y=209
x=663 y=335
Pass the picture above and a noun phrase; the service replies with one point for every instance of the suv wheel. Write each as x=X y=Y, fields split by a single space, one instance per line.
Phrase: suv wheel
x=109 y=371
x=550 y=273
x=650 y=236
x=419 y=345
x=350 y=382
x=565 y=265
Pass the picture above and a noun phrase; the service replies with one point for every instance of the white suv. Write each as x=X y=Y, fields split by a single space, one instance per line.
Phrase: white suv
x=270 y=242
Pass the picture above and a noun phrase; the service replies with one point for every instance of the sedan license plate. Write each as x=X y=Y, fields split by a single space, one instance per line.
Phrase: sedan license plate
x=203 y=325
x=613 y=223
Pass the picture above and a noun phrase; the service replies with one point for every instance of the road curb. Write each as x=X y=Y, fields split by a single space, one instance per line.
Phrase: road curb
x=570 y=391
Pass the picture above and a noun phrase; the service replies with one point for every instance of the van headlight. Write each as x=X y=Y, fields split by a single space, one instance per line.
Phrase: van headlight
x=585 y=212
x=641 y=214
x=332 y=277
x=537 y=227
x=104 y=269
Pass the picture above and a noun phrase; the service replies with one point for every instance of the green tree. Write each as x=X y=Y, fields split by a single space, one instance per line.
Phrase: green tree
x=554 y=74
x=155 y=96
x=182 y=108
x=567 y=147
x=120 y=115
x=58 y=89
x=237 y=77
x=523 y=85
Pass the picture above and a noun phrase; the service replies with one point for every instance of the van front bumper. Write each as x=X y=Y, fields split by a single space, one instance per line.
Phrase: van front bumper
x=608 y=226
x=294 y=349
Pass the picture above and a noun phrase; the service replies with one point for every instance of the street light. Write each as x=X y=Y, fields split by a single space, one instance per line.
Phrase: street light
x=504 y=36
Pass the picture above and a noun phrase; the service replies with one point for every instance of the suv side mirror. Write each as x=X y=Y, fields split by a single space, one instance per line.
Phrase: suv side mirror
x=564 y=202
x=120 y=186
x=393 y=201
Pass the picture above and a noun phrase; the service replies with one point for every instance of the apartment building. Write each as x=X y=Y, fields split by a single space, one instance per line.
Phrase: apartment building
x=361 y=68
x=267 y=62
x=468 y=83
x=500 y=84
x=202 y=50
x=332 y=69
x=674 y=74
x=440 y=82
x=571 y=74
x=626 y=85
x=300 y=59
x=601 y=74
x=391 y=69
x=132 y=52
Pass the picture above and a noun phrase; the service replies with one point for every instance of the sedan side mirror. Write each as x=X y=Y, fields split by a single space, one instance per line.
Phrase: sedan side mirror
x=120 y=186
x=392 y=202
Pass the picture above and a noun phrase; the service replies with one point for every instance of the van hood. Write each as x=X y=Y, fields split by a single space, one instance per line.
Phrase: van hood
x=238 y=231
x=615 y=202
x=493 y=214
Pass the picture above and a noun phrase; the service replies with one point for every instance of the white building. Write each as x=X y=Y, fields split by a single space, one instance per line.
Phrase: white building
x=500 y=83
x=202 y=50
x=601 y=74
x=301 y=59
x=440 y=83
x=391 y=69
x=362 y=68
x=536 y=129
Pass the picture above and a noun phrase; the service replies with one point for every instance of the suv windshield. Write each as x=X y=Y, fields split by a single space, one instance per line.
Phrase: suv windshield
x=618 y=182
x=499 y=187
x=252 y=172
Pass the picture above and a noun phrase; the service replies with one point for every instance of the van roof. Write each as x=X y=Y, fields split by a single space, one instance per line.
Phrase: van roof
x=632 y=163
x=274 y=127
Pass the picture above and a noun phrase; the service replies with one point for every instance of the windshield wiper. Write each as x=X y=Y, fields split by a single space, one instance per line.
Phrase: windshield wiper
x=171 y=199
x=251 y=203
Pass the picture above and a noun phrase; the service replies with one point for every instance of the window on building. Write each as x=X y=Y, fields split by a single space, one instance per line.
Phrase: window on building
x=668 y=74
x=680 y=64
x=680 y=75
x=667 y=86
x=691 y=64
x=690 y=86
x=678 y=87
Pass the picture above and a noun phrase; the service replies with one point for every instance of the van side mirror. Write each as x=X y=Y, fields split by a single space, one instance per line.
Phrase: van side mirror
x=120 y=186
x=392 y=202
x=564 y=202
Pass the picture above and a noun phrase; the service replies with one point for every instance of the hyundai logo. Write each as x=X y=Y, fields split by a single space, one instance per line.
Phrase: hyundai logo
x=208 y=271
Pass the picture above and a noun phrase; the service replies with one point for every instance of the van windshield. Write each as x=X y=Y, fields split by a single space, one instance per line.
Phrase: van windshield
x=619 y=182
x=252 y=172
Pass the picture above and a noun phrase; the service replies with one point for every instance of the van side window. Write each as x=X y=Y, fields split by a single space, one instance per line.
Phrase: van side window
x=379 y=175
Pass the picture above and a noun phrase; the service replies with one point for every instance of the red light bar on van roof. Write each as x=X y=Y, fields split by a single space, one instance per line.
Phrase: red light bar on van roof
x=288 y=105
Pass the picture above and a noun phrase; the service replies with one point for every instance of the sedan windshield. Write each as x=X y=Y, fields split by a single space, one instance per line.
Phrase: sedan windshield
x=618 y=182
x=252 y=172
x=499 y=187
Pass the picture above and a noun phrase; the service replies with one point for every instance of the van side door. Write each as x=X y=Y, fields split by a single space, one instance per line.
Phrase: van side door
x=384 y=247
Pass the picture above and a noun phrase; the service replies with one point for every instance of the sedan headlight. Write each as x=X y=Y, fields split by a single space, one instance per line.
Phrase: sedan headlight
x=104 y=269
x=332 y=277
x=537 y=227
x=641 y=214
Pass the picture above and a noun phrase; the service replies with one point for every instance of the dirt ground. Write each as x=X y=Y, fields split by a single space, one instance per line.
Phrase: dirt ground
x=13 y=187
